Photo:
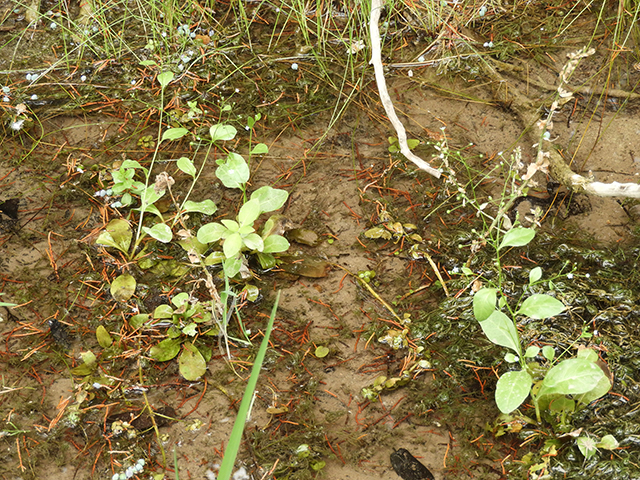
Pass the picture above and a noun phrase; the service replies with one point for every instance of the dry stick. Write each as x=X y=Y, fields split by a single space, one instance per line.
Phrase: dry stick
x=557 y=166
x=376 y=61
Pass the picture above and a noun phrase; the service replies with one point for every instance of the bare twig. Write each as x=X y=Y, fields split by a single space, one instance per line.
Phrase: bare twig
x=376 y=61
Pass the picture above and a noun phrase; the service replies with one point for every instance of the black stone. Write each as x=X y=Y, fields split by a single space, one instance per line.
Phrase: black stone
x=59 y=333
x=10 y=208
x=408 y=467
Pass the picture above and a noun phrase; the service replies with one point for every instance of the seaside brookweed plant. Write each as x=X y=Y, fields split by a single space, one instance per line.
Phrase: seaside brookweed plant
x=550 y=388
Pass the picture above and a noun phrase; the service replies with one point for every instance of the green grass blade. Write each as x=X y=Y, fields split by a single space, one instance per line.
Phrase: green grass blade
x=238 y=427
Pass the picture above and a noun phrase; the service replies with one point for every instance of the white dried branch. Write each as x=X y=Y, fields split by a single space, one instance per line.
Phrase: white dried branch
x=376 y=61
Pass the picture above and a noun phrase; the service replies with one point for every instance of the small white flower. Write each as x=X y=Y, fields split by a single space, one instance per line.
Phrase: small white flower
x=193 y=35
x=587 y=275
x=237 y=90
x=482 y=11
x=17 y=125
x=570 y=276
x=6 y=90
x=488 y=44
x=34 y=97
x=421 y=58
x=6 y=99
x=410 y=73
x=455 y=270
x=133 y=82
x=181 y=67
x=83 y=78
x=294 y=66
x=53 y=25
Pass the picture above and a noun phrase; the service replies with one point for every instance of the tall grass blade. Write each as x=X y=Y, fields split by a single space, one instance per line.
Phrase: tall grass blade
x=238 y=427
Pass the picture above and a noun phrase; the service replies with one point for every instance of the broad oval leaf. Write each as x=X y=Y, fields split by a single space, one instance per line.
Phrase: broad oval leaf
x=191 y=363
x=234 y=171
x=484 y=303
x=249 y=212
x=232 y=245
x=253 y=241
x=221 y=131
x=259 y=148
x=531 y=351
x=165 y=350
x=321 y=351
x=541 y=306
x=117 y=234
x=160 y=231
x=165 y=78
x=270 y=198
x=275 y=244
x=500 y=330
x=206 y=206
x=123 y=287
x=163 y=311
x=174 y=133
x=186 y=165
x=232 y=266
x=534 y=275
x=211 y=232
x=517 y=237
x=574 y=376
x=512 y=389
x=103 y=337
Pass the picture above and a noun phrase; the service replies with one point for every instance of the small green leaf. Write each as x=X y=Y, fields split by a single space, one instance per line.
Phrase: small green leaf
x=531 y=351
x=512 y=389
x=275 y=244
x=517 y=237
x=412 y=143
x=510 y=358
x=484 y=303
x=321 y=351
x=211 y=232
x=186 y=165
x=191 y=363
x=160 y=231
x=117 y=234
x=253 y=292
x=232 y=266
x=587 y=446
x=222 y=132
x=191 y=329
x=253 y=241
x=260 y=148
x=180 y=299
x=534 y=275
x=541 y=306
x=608 y=442
x=249 y=212
x=573 y=376
x=234 y=172
x=548 y=352
x=103 y=337
x=163 y=311
x=123 y=287
x=138 y=320
x=500 y=330
x=165 y=350
x=174 y=134
x=165 y=78
x=206 y=206
x=147 y=63
x=270 y=198
x=232 y=245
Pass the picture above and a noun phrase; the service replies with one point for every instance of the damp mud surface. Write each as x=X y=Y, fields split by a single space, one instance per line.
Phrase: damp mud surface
x=375 y=356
